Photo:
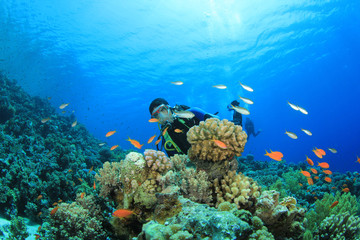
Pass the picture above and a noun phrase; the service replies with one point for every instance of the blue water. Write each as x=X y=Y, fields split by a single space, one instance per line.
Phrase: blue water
x=110 y=59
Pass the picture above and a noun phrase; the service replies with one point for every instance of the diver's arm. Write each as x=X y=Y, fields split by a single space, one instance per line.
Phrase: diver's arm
x=201 y=114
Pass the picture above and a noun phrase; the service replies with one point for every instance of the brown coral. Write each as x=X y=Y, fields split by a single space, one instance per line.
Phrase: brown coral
x=238 y=189
x=109 y=179
x=202 y=142
x=283 y=219
x=196 y=186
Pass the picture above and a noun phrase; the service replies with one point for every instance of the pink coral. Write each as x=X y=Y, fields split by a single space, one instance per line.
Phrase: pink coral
x=157 y=160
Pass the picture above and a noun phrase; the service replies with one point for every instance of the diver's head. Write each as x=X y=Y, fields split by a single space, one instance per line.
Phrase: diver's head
x=160 y=109
x=235 y=103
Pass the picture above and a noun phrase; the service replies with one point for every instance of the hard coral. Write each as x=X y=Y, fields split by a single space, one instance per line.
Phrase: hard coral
x=202 y=142
x=109 y=179
x=157 y=160
x=196 y=186
x=238 y=189
x=283 y=219
x=341 y=226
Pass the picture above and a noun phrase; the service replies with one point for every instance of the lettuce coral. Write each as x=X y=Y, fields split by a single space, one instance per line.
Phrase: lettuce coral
x=202 y=142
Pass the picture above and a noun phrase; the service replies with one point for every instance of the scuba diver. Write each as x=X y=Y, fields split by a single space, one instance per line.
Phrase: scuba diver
x=237 y=117
x=249 y=127
x=175 y=122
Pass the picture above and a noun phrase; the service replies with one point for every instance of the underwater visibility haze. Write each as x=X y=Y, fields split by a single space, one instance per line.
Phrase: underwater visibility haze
x=108 y=60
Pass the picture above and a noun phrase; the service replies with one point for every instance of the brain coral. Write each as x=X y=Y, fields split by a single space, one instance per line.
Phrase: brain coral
x=202 y=138
x=238 y=189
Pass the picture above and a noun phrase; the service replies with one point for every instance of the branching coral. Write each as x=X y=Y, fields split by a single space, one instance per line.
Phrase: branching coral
x=196 y=186
x=283 y=219
x=338 y=227
x=202 y=142
x=109 y=179
x=238 y=189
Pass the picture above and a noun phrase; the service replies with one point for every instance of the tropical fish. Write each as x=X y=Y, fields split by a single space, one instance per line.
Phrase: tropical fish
x=110 y=133
x=136 y=143
x=333 y=150
x=151 y=139
x=59 y=201
x=334 y=204
x=247 y=88
x=177 y=83
x=39 y=228
x=220 y=86
x=94 y=186
x=90 y=170
x=310 y=181
x=291 y=134
x=302 y=110
x=37 y=236
x=321 y=151
x=309 y=161
x=316 y=177
x=277 y=156
x=80 y=179
x=74 y=123
x=178 y=130
x=114 y=147
x=153 y=120
x=44 y=120
x=305 y=173
x=39 y=197
x=241 y=110
x=323 y=164
x=246 y=100
x=316 y=198
x=220 y=144
x=82 y=195
x=63 y=112
x=64 y=105
x=55 y=203
x=346 y=190
x=306 y=131
x=157 y=141
x=300 y=184
x=358 y=159
x=101 y=144
x=328 y=172
x=54 y=210
x=165 y=130
x=313 y=170
x=293 y=106
x=122 y=213
x=185 y=114
x=327 y=179
x=333 y=187
x=317 y=153
x=39 y=214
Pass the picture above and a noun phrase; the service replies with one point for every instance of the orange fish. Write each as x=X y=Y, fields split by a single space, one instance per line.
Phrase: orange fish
x=309 y=161
x=354 y=179
x=136 y=143
x=74 y=124
x=315 y=198
x=333 y=187
x=178 y=130
x=55 y=203
x=316 y=177
x=220 y=144
x=277 y=156
x=59 y=201
x=327 y=179
x=328 y=172
x=151 y=139
x=113 y=147
x=358 y=160
x=305 y=173
x=37 y=236
x=110 y=133
x=346 y=190
x=70 y=170
x=322 y=152
x=313 y=170
x=44 y=120
x=82 y=195
x=94 y=186
x=122 y=213
x=313 y=193
x=310 y=181
x=317 y=153
x=323 y=164
x=90 y=170
x=80 y=179
x=300 y=184
x=165 y=130
x=334 y=204
x=153 y=120
x=54 y=210
x=64 y=105
x=39 y=214
x=344 y=185
x=39 y=228
x=157 y=141
x=39 y=197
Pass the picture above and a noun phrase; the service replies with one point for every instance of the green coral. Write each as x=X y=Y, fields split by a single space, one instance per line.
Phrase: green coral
x=347 y=203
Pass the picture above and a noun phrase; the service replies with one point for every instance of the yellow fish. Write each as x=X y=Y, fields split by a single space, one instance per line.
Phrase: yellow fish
x=64 y=105
x=291 y=134
x=307 y=132
x=247 y=88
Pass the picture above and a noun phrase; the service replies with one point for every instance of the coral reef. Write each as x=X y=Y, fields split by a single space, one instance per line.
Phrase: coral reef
x=109 y=179
x=238 y=189
x=278 y=216
x=340 y=226
x=196 y=186
x=203 y=146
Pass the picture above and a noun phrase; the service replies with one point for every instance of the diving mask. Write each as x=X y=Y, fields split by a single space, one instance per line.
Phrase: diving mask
x=163 y=113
